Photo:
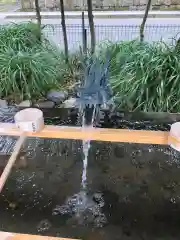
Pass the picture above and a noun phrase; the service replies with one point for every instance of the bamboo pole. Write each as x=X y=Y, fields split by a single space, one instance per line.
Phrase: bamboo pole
x=11 y=161
x=15 y=236
x=96 y=134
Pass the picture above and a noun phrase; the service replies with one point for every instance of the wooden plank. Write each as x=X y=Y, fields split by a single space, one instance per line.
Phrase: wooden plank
x=15 y=236
x=97 y=134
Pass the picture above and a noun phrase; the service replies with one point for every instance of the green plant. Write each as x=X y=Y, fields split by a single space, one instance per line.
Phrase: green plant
x=145 y=77
x=71 y=71
x=20 y=37
x=30 y=65
x=119 y=53
x=27 y=74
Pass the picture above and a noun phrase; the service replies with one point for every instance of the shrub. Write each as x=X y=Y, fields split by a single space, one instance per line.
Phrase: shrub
x=145 y=77
x=27 y=74
x=73 y=71
x=29 y=66
x=20 y=37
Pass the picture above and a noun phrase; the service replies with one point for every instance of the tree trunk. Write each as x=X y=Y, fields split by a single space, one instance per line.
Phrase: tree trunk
x=63 y=23
x=84 y=35
x=38 y=17
x=91 y=25
x=144 y=20
x=38 y=14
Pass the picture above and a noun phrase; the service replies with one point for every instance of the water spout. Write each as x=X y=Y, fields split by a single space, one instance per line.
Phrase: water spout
x=95 y=90
x=93 y=93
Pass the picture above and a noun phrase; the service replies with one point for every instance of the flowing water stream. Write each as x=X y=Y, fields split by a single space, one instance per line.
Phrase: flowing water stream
x=86 y=145
x=81 y=203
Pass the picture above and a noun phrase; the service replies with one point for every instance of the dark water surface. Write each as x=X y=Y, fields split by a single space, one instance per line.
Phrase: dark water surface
x=133 y=191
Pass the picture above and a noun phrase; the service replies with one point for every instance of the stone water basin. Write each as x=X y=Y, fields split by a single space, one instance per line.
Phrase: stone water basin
x=133 y=190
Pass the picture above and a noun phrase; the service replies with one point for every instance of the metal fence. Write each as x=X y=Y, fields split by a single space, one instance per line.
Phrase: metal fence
x=111 y=33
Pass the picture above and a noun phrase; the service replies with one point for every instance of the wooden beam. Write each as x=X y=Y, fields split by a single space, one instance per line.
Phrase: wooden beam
x=96 y=134
x=15 y=236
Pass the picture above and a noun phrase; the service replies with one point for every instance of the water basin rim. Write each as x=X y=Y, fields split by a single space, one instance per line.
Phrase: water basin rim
x=162 y=117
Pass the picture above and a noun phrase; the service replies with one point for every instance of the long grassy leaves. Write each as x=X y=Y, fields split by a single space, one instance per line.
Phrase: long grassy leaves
x=145 y=76
x=28 y=66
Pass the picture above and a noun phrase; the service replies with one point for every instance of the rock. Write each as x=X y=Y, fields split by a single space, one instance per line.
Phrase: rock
x=70 y=103
x=26 y=103
x=44 y=104
x=3 y=103
x=56 y=96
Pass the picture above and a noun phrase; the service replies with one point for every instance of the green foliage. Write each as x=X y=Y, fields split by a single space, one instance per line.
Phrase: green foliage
x=145 y=77
x=27 y=74
x=19 y=37
x=29 y=67
x=73 y=70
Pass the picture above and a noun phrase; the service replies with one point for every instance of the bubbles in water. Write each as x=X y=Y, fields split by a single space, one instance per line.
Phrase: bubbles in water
x=86 y=209
x=73 y=204
x=44 y=225
x=86 y=147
